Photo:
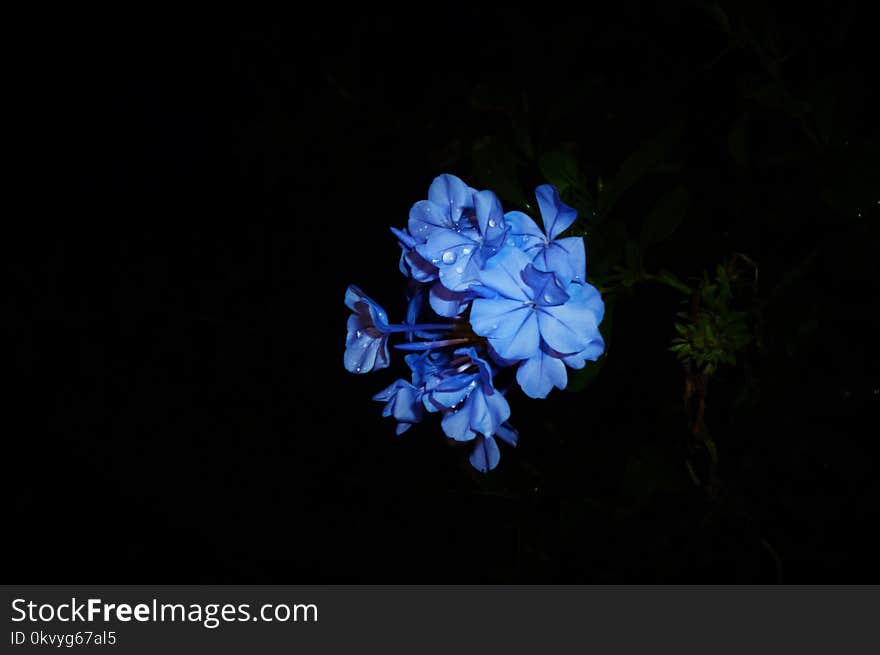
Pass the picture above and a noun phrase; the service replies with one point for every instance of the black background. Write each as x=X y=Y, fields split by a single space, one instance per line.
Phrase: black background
x=205 y=196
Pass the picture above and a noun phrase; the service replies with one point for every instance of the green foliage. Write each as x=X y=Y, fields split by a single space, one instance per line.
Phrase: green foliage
x=712 y=332
x=644 y=161
x=496 y=164
x=665 y=216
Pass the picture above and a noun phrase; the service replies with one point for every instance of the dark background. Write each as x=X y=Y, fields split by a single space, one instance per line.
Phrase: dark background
x=177 y=316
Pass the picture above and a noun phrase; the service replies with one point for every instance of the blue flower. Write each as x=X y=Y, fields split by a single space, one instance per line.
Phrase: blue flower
x=508 y=296
x=469 y=402
x=403 y=402
x=366 y=344
x=565 y=257
x=450 y=208
x=485 y=455
x=449 y=199
x=532 y=315
x=459 y=252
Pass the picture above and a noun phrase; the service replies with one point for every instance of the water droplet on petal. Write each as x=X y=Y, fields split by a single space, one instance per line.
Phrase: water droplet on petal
x=448 y=257
x=465 y=251
x=548 y=298
x=493 y=222
x=357 y=369
x=459 y=269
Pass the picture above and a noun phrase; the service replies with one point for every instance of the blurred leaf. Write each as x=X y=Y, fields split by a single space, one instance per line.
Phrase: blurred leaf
x=578 y=380
x=560 y=168
x=665 y=216
x=522 y=137
x=494 y=165
x=672 y=280
x=717 y=14
x=712 y=448
x=737 y=141
x=633 y=263
x=640 y=163
x=605 y=248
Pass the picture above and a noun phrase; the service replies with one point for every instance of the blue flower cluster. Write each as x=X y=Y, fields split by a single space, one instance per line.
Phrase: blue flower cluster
x=495 y=291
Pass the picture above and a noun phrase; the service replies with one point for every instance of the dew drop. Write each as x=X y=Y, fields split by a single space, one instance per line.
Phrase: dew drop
x=459 y=269
x=465 y=251
x=448 y=257
x=493 y=222
x=357 y=369
x=548 y=298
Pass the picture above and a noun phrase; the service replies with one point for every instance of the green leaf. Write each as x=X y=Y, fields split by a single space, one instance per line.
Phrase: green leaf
x=578 y=380
x=639 y=164
x=670 y=279
x=713 y=450
x=665 y=216
x=633 y=263
x=560 y=168
x=495 y=166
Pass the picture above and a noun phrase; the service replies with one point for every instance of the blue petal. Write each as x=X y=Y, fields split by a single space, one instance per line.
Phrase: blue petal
x=424 y=365
x=546 y=289
x=507 y=433
x=490 y=217
x=538 y=375
x=402 y=401
x=407 y=242
x=453 y=195
x=485 y=455
x=447 y=303
x=523 y=232
x=457 y=426
x=503 y=274
x=570 y=327
x=414 y=307
x=481 y=413
x=524 y=338
x=592 y=352
x=451 y=252
x=365 y=348
x=483 y=367
x=488 y=410
x=565 y=257
x=418 y=268
x=359 y=302
x=498 y=318
x=557 y=216
x=593 y=300
x=425 y=217
x=446 y=393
